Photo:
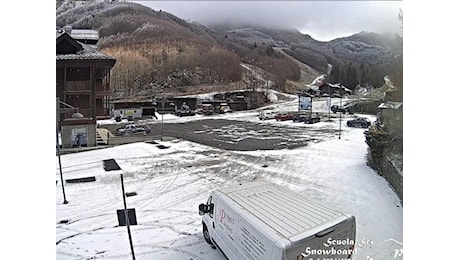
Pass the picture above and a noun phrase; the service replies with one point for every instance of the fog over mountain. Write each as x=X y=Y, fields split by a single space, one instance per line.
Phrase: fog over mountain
x=323 y=20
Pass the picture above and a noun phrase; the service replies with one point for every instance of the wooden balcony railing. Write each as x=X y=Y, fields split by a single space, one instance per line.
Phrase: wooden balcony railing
x=102 y=87
x=77 y=86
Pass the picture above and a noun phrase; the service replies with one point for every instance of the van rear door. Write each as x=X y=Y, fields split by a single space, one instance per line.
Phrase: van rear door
x=335 y=242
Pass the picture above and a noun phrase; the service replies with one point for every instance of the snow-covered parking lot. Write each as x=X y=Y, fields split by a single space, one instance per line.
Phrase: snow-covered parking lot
x=171 y=183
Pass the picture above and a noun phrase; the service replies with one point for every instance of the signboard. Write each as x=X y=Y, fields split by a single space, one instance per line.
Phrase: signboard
x=127 y=112
x=79 y=137
x=305 y=103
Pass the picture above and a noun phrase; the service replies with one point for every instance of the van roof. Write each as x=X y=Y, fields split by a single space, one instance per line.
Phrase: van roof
x=286 y=212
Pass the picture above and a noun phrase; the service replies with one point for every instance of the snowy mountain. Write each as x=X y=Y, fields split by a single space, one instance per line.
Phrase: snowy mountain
x=172 y=44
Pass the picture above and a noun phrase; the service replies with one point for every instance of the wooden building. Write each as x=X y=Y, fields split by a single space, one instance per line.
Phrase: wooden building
x=82 y=82
x=334 y=90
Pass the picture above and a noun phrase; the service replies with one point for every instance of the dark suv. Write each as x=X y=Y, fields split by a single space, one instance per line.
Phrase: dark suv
x=300 y=116
x=359 y=122
x=343 y=110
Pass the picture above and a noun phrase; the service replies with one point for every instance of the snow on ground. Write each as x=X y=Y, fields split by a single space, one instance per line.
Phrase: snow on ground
x=171 y=183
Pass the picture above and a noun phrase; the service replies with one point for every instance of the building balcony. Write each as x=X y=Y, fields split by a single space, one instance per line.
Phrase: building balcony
x=76 y=86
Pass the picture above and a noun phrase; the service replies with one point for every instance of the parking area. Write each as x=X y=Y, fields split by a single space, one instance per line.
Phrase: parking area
x=242 y=130
x=238 y=135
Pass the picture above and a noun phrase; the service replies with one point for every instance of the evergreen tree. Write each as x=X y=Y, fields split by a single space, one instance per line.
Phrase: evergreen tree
x=351 y=79
x=363 y=78
x=335 y=74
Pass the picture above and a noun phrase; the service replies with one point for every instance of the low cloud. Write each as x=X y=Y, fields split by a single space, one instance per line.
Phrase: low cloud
x=323 y=20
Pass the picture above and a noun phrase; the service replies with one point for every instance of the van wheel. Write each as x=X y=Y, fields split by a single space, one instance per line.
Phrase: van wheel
x=206 y=235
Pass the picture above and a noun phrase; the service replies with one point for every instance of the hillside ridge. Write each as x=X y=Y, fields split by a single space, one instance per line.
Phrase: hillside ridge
x=173 y=53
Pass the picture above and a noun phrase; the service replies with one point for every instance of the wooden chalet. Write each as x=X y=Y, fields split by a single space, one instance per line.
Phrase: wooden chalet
x=333 y=90
x=82 y=82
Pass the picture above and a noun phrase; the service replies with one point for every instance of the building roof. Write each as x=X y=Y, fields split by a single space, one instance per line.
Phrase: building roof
x=390 y=105
x=80 y=51
x=339 y=86
x=88 y=52
x=84 y=34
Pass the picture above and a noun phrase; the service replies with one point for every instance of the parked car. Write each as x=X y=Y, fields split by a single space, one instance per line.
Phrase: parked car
x=265 y=115
x=184 y=110
x=133 y=129
x=205 y=109
x=359 y=122
x=283 y=116
x=344 y=110
x=224 y=108
x=312 y=120
x=300 y=116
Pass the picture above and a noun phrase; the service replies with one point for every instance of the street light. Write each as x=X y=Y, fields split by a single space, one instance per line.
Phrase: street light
x=329 y=70
x=340 y=116
x=163 y=100
x=162 y=113
x=58 y=118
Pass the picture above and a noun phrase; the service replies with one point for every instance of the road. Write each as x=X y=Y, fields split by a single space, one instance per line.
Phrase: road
x=236 y=135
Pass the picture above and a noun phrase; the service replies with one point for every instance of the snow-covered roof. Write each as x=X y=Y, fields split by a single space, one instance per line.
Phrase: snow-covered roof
x=89 y=52
x=84 y=34
x=317 y=82
x=390 y=105
x=85 y=52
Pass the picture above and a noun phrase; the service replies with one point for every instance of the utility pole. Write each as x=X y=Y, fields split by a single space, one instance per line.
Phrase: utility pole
x=329 y=98
x=127 y=218
x=58 y=118
x=112 y=165
x=163 y=111
x=340 y=117
x=329 y=70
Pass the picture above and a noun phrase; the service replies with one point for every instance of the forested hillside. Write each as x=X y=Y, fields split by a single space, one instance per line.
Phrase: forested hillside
x=157 y=51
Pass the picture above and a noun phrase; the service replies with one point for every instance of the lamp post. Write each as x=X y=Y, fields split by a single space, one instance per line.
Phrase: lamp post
x=155 y=103
x=340 y=116
x=329 y=70
x=162 y=113
x=58 y=118
x=329 y=103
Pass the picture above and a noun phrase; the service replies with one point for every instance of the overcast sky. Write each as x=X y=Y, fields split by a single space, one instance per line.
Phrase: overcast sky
x=323 y=20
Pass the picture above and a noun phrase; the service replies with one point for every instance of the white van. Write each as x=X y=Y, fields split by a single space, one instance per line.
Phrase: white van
x=261 y=220
x=265 y=115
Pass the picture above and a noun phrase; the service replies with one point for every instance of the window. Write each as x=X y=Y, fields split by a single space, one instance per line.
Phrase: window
x=210 y=205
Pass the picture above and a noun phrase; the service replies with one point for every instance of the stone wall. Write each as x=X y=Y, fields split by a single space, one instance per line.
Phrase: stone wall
x=385 y=141
x=365 y=107
x=389 y=166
